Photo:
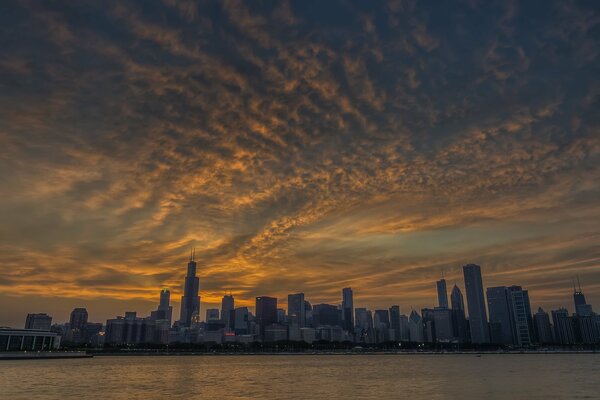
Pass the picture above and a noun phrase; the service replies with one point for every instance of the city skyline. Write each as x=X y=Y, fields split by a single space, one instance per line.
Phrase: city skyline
x=297 y=145
x=192 y=285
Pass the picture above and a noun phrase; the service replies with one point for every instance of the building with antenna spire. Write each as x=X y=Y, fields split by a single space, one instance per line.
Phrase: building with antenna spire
x=190 y=301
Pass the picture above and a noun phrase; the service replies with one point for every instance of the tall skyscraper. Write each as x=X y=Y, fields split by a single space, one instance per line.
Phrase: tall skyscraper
x=227 y=307
x=415 y=327
x=78 y=319
x=164 y=313
x=78 y=325
x=564 y=332
x=459 y=322
x=347 y=310
x=190 y=301
x=582 y=309
x=501 y=315
x=442 y=293
x=297 y=310
x=543 y=328
x=395 y=321
x=266 y=312
x=521 y=314
x=476 y=304
x=38 y=321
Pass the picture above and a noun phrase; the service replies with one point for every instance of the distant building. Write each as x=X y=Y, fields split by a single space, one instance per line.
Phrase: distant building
x=78 y=324
x=582 y=308
x=476 y=304
x=501 y=325
x=130 y=329
x=275 y=333
x=404 y=335
x=442 y=293
x=563 y=327
x=190 y=301
x=438 y=324
x=510 y=315
x=415 y=326
x=266 y=312
x=543 y=328
x=459 y=321
x=297 y=310
x=227 y=311
x=164 y=312
x=347 y=310
x=28 y=339
x=241 y=326
x=40 y=321
x=326 y=314
x=395 y=321
x=212 y=315
x=381 y=323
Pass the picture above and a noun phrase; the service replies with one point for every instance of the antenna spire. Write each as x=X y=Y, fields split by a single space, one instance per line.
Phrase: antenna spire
x=578 y=284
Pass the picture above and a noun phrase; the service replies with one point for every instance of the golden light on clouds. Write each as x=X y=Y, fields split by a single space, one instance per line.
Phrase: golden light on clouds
x=364 y=145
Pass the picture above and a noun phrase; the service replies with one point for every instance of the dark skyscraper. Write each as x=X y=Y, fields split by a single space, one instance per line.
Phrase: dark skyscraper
x=543 y=329
x=78 y=319
x=476 y=304
x=459 y=322
x=297 y=310
x=190 y=301
x=266 y=312
x=563 y=326
x=395 y=321
x=348 y=310
x=501 y=315
x=442 y=293
x=326 y=315
x=227 y=311
x=165 y=310
x=582 y=309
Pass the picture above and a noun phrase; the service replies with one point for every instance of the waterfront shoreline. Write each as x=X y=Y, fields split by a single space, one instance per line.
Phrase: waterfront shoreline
x=12 y=356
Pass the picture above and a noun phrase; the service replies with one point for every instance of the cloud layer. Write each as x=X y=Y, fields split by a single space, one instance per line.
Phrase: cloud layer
x=299 y=146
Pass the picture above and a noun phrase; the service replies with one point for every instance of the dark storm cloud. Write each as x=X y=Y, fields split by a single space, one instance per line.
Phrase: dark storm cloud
x=298 y=145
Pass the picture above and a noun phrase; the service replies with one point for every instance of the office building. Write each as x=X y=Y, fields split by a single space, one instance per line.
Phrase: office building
x=442 y=293
x=38 y=321
x=478 y=323
x=297 y=310
x=395 y=321
x=266 y=312
x=241 y=320
x=543 y=328
x=564 y=332
x=326 y=314
x=190 y=301
x=415 y=327
x=347 y=310
x=582 y=309
x=459 y=321
x=501 y=315
x=164 y=312
x=227 y=311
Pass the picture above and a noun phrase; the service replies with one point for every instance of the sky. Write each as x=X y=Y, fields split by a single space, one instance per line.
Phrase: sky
x=299 y=146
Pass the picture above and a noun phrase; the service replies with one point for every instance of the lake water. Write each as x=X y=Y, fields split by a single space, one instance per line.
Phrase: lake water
x=567 y=376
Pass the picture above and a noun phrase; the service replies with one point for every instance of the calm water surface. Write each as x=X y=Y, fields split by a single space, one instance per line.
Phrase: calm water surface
x=300 y=377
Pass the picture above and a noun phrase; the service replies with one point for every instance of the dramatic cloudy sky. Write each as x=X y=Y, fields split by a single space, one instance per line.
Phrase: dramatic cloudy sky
x=299 y=146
